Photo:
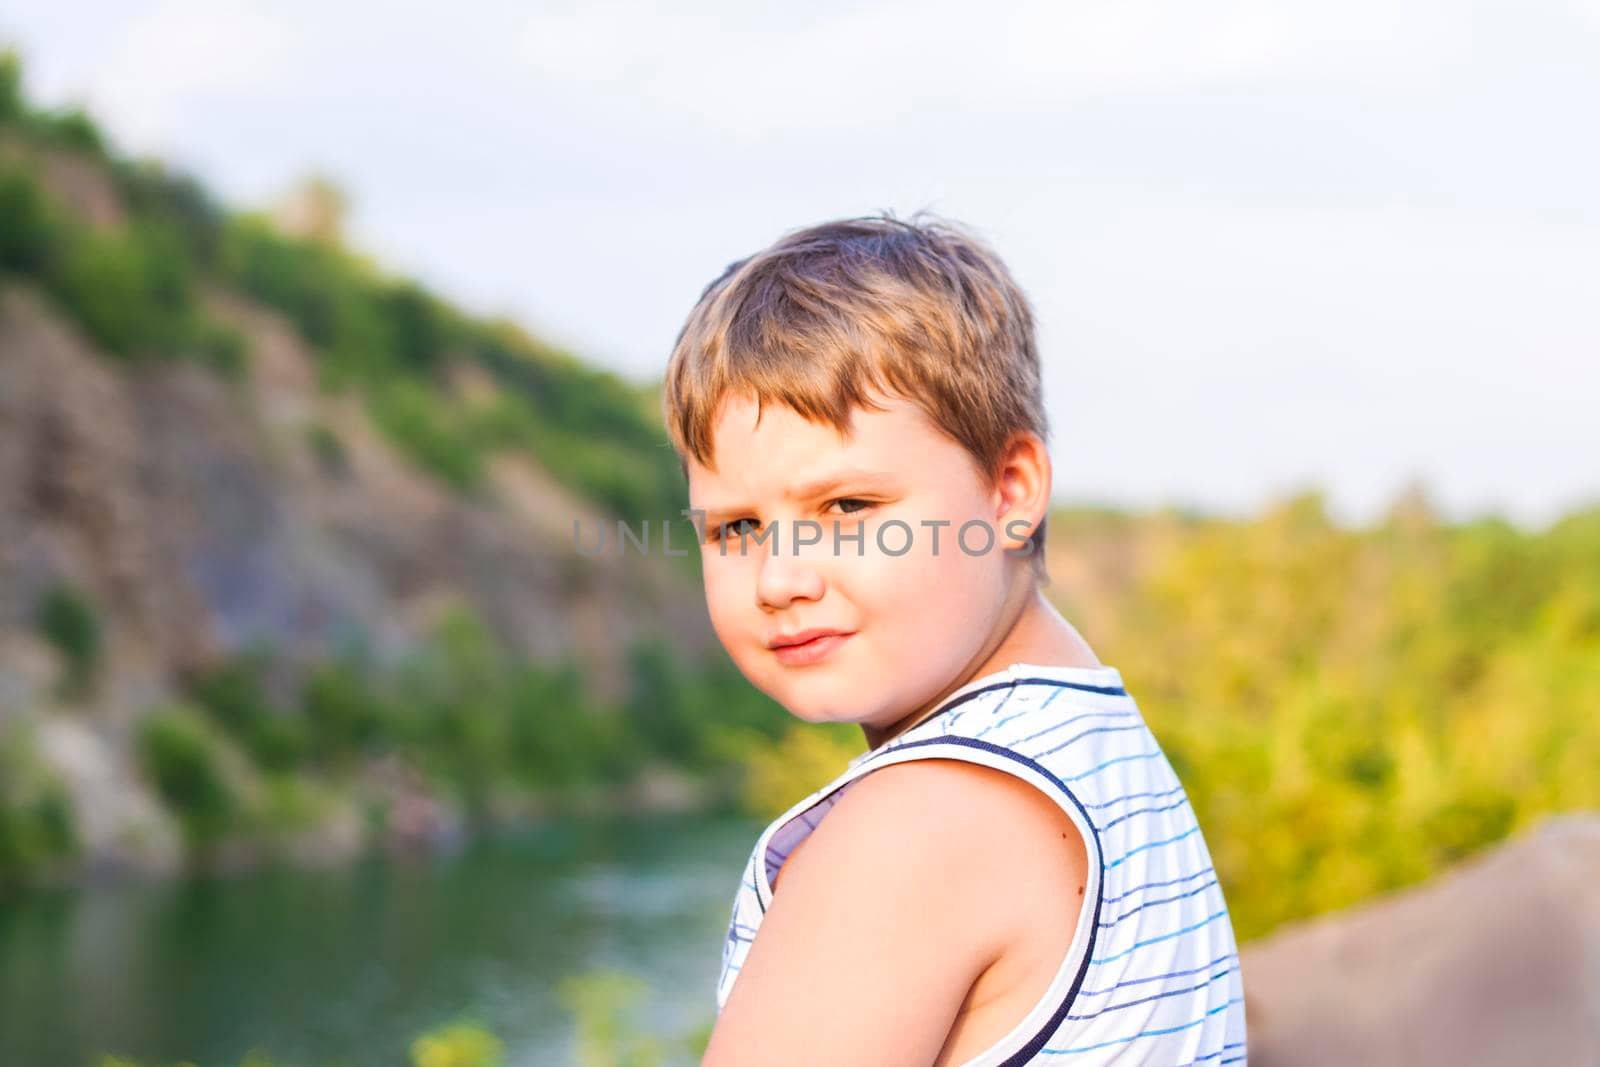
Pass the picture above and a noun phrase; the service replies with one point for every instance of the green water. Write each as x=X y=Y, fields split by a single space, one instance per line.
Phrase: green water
x=348 y=966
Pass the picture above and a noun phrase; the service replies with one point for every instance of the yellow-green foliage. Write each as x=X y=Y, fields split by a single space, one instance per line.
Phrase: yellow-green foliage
x=459 y=1044
x=36 y=822
x=464 y=1043
x=602 y=1003
x=805 y=758
x=1351 y=711
x=253 y=1058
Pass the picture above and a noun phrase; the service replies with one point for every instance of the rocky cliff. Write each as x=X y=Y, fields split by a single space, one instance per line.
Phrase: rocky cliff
x=197 y=514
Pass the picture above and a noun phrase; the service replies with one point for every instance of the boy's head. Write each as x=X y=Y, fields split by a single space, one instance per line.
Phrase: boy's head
x=899 y=349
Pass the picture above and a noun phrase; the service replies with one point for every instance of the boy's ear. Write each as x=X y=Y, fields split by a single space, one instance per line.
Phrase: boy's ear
x=1022 y=488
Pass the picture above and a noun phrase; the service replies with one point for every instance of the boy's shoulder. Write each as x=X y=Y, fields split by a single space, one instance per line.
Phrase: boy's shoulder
x=904 y=919
x=994 y=836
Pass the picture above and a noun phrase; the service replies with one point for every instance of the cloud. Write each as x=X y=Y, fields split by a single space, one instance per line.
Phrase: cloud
x=178 y=50
x=1267 y=238
x=1587 y=10
x=750 y=71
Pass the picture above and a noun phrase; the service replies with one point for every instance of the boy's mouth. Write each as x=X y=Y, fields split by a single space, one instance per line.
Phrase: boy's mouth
x=806 y=646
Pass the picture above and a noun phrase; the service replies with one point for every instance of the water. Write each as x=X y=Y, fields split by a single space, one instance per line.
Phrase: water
x=349 y=966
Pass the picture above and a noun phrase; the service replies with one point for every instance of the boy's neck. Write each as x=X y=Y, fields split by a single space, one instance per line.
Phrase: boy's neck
x=1037 y=634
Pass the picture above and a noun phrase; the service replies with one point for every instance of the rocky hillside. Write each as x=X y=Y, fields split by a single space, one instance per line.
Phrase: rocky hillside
x=201 y=515
x=219 y=438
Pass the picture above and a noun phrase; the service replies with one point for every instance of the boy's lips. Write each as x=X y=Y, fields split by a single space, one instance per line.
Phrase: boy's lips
x=800 y=637
x=806 y=646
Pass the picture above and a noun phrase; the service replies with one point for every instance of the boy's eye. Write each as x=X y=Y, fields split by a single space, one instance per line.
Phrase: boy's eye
x=714 y=532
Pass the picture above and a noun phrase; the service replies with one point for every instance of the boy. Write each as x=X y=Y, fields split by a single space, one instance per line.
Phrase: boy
x=1011 y=873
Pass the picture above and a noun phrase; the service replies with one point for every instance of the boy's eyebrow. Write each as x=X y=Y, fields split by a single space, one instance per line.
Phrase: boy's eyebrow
x=813 y=488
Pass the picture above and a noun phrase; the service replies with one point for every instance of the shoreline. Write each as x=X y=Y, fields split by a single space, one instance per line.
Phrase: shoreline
x=418 y=821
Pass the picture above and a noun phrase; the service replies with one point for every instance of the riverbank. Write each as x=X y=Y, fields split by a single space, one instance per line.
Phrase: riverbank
x=108 y=824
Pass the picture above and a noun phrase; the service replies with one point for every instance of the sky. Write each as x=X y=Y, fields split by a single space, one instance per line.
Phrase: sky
x=1273 y=245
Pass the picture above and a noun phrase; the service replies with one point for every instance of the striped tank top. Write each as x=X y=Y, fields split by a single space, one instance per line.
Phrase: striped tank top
x=1152 y=975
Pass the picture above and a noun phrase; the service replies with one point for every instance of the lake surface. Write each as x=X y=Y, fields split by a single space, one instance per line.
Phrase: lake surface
x=348 y=966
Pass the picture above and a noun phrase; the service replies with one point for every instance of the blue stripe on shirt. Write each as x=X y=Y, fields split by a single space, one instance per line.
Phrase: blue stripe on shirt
x=1158 y=885
x=1086 y=733
x=1077 y=718
x=1145 y=1033
x=1124 y=798
x=1159 y=977
x=1148 y=845
x=1163 y=900
x=1213 y=917
x=1180 y=802
x=1152 y=754
x=1158 y=996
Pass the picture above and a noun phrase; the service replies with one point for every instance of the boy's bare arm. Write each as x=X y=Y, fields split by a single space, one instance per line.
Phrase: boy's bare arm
x=887 y=915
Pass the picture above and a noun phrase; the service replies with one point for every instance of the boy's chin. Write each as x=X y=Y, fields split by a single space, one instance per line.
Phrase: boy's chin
x=815 y=697
x=813 y=711
x=820 y=716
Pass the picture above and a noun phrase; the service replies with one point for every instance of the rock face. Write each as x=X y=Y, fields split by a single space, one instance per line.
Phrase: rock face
x=121 y=826
x=1497 y=962
x=201 y=516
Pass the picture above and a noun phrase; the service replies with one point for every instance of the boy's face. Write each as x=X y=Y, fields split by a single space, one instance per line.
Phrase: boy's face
x=914 y=621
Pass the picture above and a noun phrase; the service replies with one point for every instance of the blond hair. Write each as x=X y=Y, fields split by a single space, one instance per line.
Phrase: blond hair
x=831 y=313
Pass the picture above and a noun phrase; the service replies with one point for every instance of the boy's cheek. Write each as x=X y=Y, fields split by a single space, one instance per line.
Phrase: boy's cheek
x=724 y=617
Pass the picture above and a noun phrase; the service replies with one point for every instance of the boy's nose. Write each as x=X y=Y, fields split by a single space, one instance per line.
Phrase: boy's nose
x=785 y=576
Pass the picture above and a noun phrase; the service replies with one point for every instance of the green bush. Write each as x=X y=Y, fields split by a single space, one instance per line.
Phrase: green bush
x=416 y=419
x=12 y=104
x=685 y=711
x=474 y=715
x=151 y=191
x=455 y=706
x=661 y=707
x=234 y=694
x=555 y=734
x=328 y=293
x=36 y=823
x=345 y=712
x=290 y=803
x=67 y=619
x=419 y=323
x=130 y=289
x=68 y=127
x=29 y=226
x=182 y=757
